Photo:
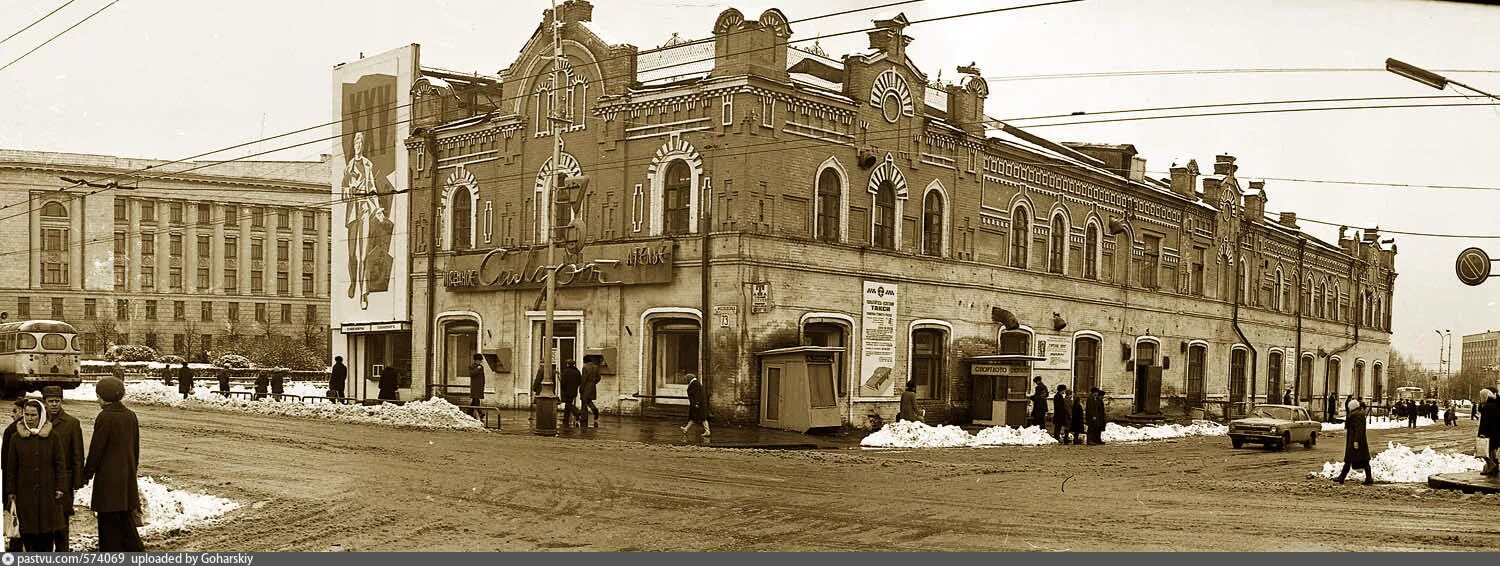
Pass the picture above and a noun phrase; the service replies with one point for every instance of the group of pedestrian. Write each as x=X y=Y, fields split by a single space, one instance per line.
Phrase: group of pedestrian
x=1410 y=410
x=573 y=385
x=1076 y=419
x=45 y=463
x=1450 y=415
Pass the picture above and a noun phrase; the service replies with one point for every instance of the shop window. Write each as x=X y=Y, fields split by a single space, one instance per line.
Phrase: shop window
x=1085 y=363
x=1091 y=257
x=928 y=346
x=674 y=351
x=884 y=235
x=1238 y=363
x=830 y=197
x=1197 y=360
x=677 y=192
x=1057 y=245
x=932 y=223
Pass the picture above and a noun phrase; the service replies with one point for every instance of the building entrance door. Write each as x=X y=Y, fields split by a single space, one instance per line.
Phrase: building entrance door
x=460 y=343
x=566 y=344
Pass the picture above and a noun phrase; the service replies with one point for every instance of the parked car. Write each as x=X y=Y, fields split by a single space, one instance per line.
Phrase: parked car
x=1275 y=426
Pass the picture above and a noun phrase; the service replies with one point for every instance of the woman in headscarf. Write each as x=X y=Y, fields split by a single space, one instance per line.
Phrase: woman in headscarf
x=1356 y=444
x=35 y=479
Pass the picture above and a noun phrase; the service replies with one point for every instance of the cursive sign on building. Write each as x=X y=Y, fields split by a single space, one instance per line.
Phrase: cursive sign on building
x=508 y=269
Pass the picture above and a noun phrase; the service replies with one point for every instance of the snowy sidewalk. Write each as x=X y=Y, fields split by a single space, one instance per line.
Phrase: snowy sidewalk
x=907 y=434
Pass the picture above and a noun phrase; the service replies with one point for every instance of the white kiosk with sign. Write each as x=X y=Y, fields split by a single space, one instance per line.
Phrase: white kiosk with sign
x=998 y=386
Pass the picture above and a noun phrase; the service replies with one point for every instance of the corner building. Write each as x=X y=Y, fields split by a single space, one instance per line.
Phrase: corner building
x=771 y=196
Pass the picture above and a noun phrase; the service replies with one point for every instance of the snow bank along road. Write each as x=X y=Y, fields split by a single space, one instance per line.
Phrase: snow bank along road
x=310 y=485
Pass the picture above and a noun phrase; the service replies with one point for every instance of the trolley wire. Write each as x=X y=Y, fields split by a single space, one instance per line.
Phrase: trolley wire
x=38 y=20
x=59 y=34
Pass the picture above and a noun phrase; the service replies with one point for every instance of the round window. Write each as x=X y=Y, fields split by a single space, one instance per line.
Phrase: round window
x=890 y=106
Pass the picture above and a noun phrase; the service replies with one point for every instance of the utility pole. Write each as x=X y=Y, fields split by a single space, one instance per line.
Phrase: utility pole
x=546 y=405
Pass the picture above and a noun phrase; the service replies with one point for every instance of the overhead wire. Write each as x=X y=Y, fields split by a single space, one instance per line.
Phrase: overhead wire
x=38 y=20
x=59 y=34
x=1168 y=72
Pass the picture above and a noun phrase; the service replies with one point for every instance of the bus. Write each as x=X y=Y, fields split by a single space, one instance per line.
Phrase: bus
x=1410 y=393
x=38 y=353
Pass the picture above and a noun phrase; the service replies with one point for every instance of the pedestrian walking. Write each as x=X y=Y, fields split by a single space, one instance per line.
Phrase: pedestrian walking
x=338 y=376
x=1286 y=398
x=184 y=380
x=1331 y=406
x=908 y=411
x=1450 y=416
x=476 y=385
x=589 y=389
x=117 y=371
x=113 y=460
x=13 y=541
x=1356 y=444
x=1075 y=426
x=1039 y=404
x=68 y=433
x=1413 y=410
x=224 y=381
x=35 y=478
x=262 y=384
x=390 y=381
x=1489 y=430
x=571 y=381
x=697 y=405
x=278 y=382
x=1095 y=416
x=1061 y=418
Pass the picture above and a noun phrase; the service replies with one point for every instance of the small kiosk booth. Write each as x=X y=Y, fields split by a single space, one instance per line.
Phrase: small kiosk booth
x=798 y=391
x=998 y=388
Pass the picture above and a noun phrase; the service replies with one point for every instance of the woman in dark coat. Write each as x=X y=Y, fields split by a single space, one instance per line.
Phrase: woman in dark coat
x=1095 y=416
x=697 y=405
x=1356 y=444
x=262 y=383
x=1489 y=427
x=1078 y=418
x=185 y=380
x=35 y=480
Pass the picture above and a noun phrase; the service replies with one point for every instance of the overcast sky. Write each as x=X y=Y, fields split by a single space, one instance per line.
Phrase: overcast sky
x=173 y=78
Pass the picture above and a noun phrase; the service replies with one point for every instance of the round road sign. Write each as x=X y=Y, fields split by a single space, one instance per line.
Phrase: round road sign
x=1473 y=266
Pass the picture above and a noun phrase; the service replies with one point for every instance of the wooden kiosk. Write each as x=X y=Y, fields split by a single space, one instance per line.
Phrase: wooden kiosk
x=998 y=388
x=798 y=391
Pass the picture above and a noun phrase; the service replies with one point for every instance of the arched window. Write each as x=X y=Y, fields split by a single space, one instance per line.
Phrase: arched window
x=1307 y=298
x=1377 y=385
x=54 y=210
x=677 y=193
x=462 y=219
x=1196 y=364
x=1020 y=237
x=1085 y=363
x=885 y=216
x=1277 y=297
x=1284 y=287
x=1238 y=365
x=1091 y=252
x=1333 y=303
x=830 y=189
x=1332 y=377
x=932 y=223
x=1057 y=245
x=928 y=345
x=1274 y=368
x=55 y=235
x=1317 y=306
x=1305 y=378
x=1359 y=379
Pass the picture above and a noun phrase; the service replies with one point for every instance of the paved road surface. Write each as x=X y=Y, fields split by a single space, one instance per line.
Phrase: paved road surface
x=310 y=485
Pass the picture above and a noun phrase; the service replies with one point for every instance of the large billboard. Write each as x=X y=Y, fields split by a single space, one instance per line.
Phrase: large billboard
x=372 y=112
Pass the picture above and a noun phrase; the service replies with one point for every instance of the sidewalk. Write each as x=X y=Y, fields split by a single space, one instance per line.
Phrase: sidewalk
x=649 y=430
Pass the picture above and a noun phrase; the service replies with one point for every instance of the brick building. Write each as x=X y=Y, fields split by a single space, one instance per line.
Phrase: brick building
x=169 y=260
x=761 y=193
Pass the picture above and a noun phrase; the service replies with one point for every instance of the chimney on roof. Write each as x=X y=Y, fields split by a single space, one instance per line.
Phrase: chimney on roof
x=574 y=11
x=966 y=101
x=1288 y=219
x=1185 y=179
x=751 y=47
x=1255 y=202
x=1212 y=191
x=1224 y=165
x=888 y=37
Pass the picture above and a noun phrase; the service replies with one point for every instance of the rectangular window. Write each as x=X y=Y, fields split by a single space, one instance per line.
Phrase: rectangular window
x=286 y=313
x=174 y=278
x=150 y=309
x=260 y=313
x=284 y=219
x=309 y=257
x=148 y=278
x=206 y=311
x=121 y=211
x=122 y=311
x=205 y=213
x=120 y=245
x=174 y=245
x=179 y=310
x=257 y=249
x=54 y=239
x=57 y=308
x=232 y=281
x=1196 y=276
x=234 y=311
x=122 y=338
x=1150 y=267
x=175 y=212
x=203 y=283
x=179 y=343
x=308 y=289
x=258 y=217
x=119 y=278
x=283 y=250
x=23 y=307
x=231 y=247
x=205 y=249
x=309 y=223
x=54 y=273
x=151 y=340
x=90 y=309
x=283 y=283
x=257 y=281
x=206 y=342
x=231 y=215
x=148 y=212
x=312 y=314
x=148 y=244
x=90 y=342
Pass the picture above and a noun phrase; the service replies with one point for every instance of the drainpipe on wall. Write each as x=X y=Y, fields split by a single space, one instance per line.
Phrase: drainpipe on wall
x=1301 y=257
x=432 y=200
x=704 y=223
x=1240 y=283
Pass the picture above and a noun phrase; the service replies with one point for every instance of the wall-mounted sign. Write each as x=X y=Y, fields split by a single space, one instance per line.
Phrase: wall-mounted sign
x=760 y=297
x=877 y=368
x=618 y=264
x=726 y=315
x=999 y=369
x=1057 y=349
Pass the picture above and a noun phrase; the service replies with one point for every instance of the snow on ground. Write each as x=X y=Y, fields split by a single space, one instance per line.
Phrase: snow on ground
x=432 y=414
x=1398 y=463
x=907 y=434
x=1380 y=423
x=167 y=511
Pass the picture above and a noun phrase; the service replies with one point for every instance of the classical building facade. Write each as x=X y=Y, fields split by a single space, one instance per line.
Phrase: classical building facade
x=170 y=260
x=745 y=195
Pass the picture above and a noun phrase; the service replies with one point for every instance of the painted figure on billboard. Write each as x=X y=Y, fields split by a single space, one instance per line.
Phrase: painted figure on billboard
x=367 y=218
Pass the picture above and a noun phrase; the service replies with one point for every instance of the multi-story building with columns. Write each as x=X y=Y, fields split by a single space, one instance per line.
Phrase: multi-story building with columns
x=172 y=260
x=746 y=195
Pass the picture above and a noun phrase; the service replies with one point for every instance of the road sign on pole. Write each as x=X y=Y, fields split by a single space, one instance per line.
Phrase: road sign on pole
x=1473 y=266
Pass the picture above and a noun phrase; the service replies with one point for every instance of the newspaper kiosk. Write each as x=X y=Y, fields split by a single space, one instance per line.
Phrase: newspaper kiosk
x=797 y=388
x=998 y=388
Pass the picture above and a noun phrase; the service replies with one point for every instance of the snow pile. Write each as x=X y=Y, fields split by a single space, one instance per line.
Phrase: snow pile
x=168 y=510
x=1117 y=433
x=910 y=434
x=1381 y=424
x=433 y=413
x=1398 y=463
x=1007 y=436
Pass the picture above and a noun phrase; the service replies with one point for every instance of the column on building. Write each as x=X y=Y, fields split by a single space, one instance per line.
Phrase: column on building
x=322 y=249
x=216 y=249
x=246 y=265
x=133 y=246
x=294 y=264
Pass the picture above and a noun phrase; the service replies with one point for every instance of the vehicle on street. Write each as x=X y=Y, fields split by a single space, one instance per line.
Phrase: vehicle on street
x=38 y=353
x=1275 y=426
x=1410 y=393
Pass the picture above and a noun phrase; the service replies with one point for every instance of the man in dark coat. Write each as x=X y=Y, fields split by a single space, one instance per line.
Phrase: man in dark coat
x=262 y=384
x=476 y=385
x=185 y=380
x=1095 y=416
x=1413 y=410
x=1076 y=411
x=1356 y=444
x=571 y=380
x=1489 y=427
x=69 y=435
x=697 y=405
x=1062 y=407
x=389 y=383
x=34 y=480
x=908 y=411
x=1286 y=398
x=589 y=389
x=1331 y=406
x=278 y=383
x=338 y=377
x=1039 y=404
x=224 y=381
x=113 y=460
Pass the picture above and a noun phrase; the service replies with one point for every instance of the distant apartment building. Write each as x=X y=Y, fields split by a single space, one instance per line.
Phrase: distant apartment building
x=1481 y=351
x=170 y=256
